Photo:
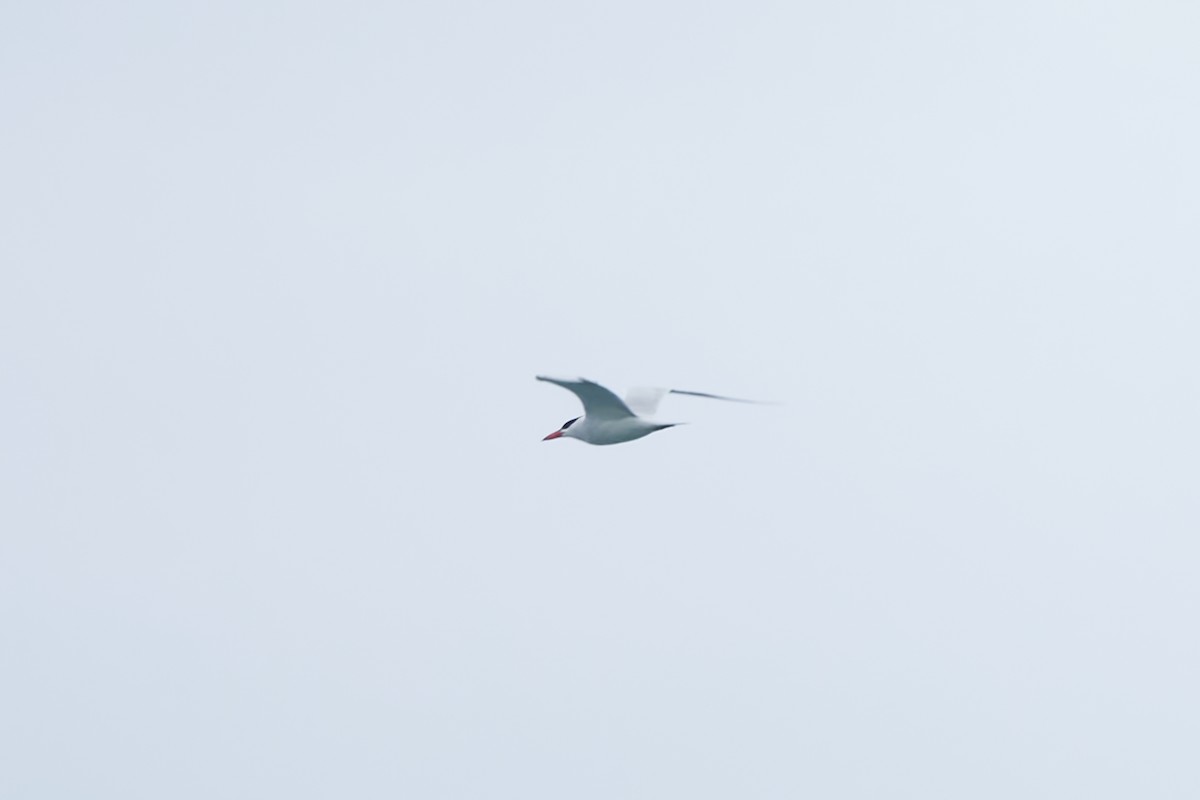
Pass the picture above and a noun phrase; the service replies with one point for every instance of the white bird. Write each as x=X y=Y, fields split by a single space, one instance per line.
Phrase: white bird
x=608 y=419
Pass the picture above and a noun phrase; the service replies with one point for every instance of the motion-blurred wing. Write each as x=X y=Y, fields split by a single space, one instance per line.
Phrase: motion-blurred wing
x=598 y=402
x=645 y=399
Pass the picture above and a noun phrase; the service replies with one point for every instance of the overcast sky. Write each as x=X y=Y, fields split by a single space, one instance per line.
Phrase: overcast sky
x=277 y=519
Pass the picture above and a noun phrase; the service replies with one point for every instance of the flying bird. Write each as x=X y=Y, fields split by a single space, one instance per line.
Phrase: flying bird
x=607 y=419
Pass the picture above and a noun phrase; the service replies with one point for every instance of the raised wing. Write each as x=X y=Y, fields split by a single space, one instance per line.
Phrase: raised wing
x=645 y=399
x=598 y=402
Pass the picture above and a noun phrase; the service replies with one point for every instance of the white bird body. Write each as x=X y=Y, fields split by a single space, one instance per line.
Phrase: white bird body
x=610 y=420
x=613 y=431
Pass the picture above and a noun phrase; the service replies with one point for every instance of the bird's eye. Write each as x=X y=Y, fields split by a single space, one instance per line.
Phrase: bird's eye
x=569 y=423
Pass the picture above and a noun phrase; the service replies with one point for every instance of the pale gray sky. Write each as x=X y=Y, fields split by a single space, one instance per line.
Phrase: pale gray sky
x=277 y=519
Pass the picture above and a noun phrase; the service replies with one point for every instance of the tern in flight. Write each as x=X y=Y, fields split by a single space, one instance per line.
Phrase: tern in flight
x=607 y=419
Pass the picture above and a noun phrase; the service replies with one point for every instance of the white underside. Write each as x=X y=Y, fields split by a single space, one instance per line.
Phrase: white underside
x=613 y=431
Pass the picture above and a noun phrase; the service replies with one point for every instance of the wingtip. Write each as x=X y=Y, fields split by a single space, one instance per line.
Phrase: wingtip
x=724 y=397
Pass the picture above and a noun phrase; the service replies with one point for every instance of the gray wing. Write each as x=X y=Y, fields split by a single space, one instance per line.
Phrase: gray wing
x=645 y=399
x=598 y=402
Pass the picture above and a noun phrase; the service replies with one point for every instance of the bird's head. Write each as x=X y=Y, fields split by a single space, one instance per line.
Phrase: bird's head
x=565 y=430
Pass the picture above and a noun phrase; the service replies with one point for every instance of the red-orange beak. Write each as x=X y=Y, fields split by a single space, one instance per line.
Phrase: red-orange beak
x=554 y=435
